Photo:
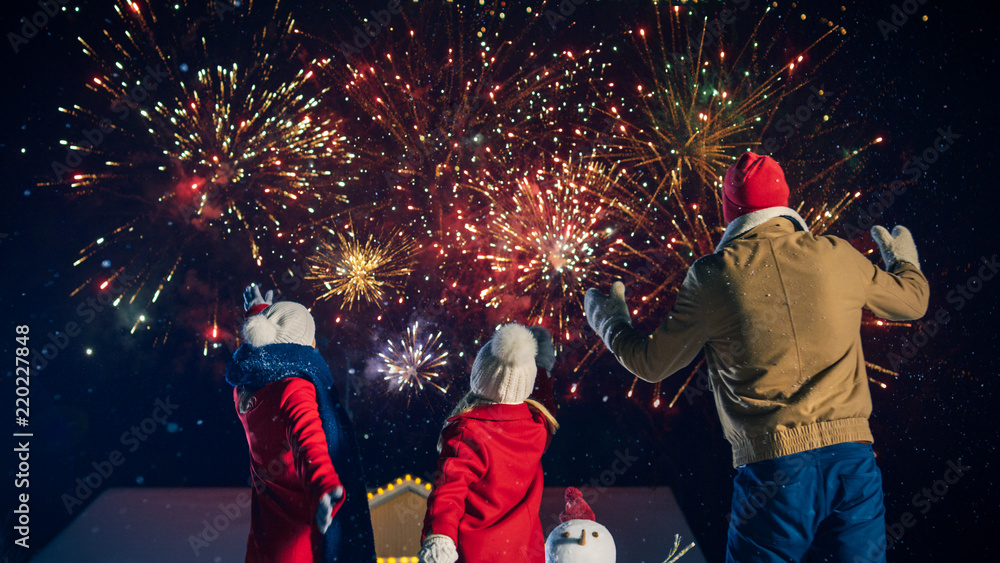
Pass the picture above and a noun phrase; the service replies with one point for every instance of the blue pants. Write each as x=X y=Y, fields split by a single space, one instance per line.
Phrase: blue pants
x=824 y=503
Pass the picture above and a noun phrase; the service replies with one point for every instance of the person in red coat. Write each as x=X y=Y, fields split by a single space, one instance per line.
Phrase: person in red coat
x=485 y=506
x=309 y=502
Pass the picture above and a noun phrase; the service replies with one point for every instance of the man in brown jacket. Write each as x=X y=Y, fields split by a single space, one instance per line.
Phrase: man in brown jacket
x=777 y=311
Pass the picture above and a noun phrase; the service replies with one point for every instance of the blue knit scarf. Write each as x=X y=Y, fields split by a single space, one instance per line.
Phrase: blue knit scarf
x=350 y=537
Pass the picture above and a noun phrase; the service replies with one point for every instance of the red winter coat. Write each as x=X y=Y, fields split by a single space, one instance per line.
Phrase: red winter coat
x=489 y=488
x=291 y=470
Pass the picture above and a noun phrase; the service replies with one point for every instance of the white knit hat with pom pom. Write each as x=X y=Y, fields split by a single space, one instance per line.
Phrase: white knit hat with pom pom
x=504 y=370
x=283 y=322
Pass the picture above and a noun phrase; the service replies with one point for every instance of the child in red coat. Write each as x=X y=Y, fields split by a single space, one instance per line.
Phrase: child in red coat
x=484 y=508
x=309 y=501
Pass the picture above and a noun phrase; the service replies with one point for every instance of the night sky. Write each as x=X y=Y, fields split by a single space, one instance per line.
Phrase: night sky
x=907 y=85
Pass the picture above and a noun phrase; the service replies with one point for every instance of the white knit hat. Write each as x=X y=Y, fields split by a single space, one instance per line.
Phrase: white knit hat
x=504 y=370
x=284 y=321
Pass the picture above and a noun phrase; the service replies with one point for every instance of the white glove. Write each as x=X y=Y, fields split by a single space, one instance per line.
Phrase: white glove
x=607 y=314
x=324 y=513
x=897 y=247
x=438 y=548
x=252 y=296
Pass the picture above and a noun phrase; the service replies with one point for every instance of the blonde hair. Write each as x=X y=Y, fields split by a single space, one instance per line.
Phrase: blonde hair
x=471 y=401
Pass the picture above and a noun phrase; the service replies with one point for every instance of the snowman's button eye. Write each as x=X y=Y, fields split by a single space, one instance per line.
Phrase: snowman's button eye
x=595 y=534
x=565 y=534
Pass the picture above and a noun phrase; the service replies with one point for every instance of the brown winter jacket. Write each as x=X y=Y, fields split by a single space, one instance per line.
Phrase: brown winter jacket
x=778 y=313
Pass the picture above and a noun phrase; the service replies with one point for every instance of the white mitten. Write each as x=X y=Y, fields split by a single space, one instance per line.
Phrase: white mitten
x=607 y=314
x=897 y=247
x=324 y=512
x=438 y=548
x=252 y=296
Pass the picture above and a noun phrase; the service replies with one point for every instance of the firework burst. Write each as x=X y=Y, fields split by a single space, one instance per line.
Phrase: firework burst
x=414 y=362
x=360 y=270
x=552 y=228
x=201 y=151
x=452 y=86
x=690 y=109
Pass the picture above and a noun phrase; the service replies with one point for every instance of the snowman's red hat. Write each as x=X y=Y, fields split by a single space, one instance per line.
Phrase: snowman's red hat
x=576 y=507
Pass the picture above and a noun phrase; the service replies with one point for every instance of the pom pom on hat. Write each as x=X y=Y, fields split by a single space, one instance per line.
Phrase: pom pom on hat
x=755 y=182
x=576 y=507
x=283 y=322
x=504 y=370
x=513 y=344
x=259 y=331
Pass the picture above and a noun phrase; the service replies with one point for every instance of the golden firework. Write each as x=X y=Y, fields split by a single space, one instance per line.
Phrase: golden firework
x=360 y=269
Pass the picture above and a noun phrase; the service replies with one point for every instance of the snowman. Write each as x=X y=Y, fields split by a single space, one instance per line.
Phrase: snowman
x=579 y=539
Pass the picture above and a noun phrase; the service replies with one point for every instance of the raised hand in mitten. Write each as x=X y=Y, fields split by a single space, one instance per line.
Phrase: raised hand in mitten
x=324 y=512
x=895 y=247
x=546 y=356
x=253 y=298
x=438 y=548
x=607 y=314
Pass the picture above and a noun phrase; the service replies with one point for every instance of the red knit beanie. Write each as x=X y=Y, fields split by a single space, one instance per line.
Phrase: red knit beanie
x=576 y=507
x=755 y=182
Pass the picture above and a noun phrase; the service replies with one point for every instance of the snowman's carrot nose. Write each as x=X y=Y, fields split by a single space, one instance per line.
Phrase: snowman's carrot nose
x=583 y=537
